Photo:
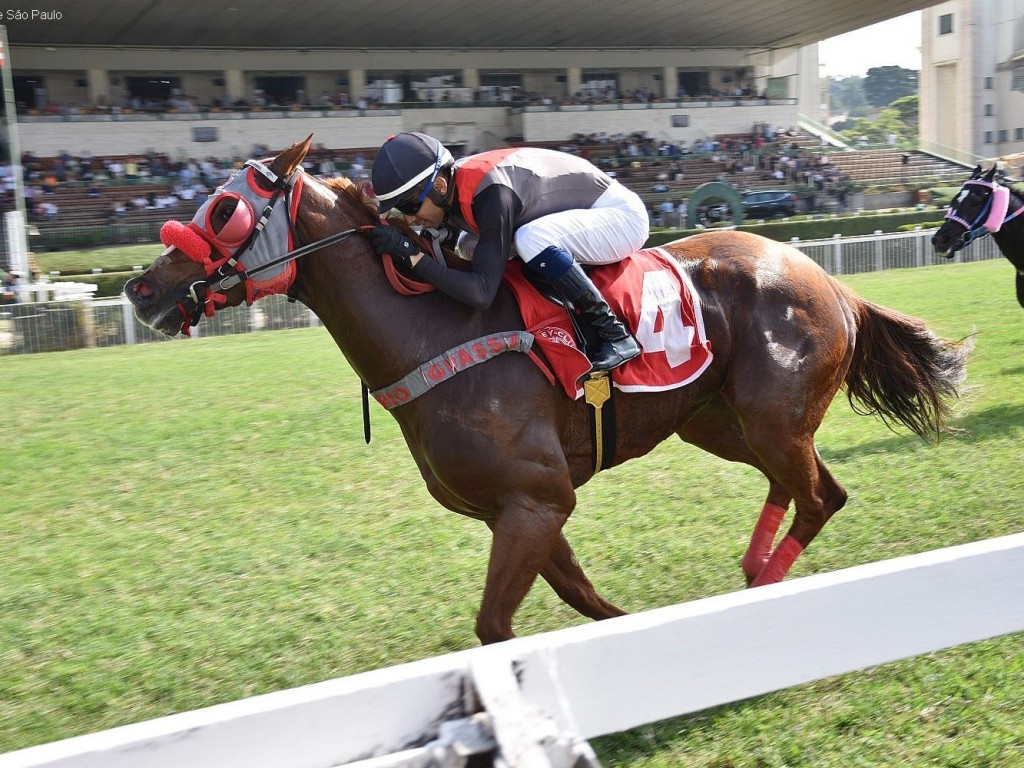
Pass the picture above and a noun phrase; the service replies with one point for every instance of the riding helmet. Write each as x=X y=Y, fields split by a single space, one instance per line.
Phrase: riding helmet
x=404 y=162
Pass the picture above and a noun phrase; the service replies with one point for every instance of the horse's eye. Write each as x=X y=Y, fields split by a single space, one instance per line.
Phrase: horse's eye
x=222 y=213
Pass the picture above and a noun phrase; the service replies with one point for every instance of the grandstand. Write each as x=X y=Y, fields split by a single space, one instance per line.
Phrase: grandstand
x=88 y=205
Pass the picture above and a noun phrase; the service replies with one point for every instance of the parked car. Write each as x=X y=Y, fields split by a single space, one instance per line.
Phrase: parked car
x=769 y=204
x=757 y=204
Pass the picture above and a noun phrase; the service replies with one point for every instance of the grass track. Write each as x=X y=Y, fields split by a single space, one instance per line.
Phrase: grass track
x=189 y=523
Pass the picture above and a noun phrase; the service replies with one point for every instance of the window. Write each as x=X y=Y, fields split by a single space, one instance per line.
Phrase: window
x=1003 y=136
x=680 y=121
x=946 y=24
x=989 y=85
x=280 y=90
x=989 y=110
x=988 y=137
x=29 y=92
x=152 y=92
x=1018 y=134
x=204 y=133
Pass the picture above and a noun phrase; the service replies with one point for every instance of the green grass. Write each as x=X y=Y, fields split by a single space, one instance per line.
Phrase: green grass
x=183 y=524
x=112 y=258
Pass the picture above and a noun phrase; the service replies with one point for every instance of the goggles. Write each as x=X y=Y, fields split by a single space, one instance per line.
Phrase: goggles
x=411 y=205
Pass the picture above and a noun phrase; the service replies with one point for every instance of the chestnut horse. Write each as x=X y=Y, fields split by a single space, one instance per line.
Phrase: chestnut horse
x=985 y=206
x=498 y=442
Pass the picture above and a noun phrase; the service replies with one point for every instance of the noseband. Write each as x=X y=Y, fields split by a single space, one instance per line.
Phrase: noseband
x=992 y=216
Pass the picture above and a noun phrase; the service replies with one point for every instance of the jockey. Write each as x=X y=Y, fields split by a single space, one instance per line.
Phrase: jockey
x=551 y=209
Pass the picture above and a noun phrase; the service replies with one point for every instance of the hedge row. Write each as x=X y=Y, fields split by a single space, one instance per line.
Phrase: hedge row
x=107 y=284
x=818 y=228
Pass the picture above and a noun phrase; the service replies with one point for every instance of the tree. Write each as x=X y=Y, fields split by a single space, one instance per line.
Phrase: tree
x=889 y=123
x=846 y=96
x=883 y=85
x=908 y=109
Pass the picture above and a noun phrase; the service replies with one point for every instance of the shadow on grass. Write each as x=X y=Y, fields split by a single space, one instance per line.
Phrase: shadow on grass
x=995 y=421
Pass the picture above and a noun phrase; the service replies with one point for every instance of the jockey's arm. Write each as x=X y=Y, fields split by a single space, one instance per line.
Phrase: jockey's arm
x=495 y=210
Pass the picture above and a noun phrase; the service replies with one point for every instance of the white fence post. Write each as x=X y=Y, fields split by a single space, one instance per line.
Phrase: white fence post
x=837 y=254
x=128 y=318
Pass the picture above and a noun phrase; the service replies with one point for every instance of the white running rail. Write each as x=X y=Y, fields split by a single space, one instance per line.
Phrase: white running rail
x=535 y=701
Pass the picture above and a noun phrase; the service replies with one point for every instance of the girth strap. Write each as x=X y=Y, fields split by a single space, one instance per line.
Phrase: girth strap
x=445 y=366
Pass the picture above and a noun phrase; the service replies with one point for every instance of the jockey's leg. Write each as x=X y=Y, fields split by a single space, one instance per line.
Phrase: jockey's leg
x=617 y=345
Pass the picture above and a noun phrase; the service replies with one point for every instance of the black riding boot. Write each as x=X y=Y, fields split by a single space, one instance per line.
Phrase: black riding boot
x=617 y=346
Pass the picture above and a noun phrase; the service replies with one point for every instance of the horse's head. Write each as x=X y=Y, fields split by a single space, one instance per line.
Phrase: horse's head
x=207 y=262
x=978 y=208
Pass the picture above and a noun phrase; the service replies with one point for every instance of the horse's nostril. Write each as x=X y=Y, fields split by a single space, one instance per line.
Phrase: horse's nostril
x=138 y=291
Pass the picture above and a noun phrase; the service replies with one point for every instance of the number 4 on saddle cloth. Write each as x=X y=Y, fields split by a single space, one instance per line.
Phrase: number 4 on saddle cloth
x=656 y=301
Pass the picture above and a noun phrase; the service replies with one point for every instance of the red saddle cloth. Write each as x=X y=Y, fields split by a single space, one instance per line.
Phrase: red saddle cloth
x=656 y=300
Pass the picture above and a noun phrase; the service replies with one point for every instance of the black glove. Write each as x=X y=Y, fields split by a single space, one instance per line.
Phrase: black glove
x=391 y=240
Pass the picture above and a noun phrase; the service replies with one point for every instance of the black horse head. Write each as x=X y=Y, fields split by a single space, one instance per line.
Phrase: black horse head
x=968 y=213
x=982 y=206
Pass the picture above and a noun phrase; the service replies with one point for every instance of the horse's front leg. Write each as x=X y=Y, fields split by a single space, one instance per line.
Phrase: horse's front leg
x=522 y=542
x=566 y=577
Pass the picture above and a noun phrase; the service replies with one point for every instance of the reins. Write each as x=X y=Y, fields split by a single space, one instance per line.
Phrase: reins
x=204 y=296
x=232 y=280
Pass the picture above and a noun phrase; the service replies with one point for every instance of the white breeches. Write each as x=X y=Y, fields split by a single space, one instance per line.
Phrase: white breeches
x=609 y=231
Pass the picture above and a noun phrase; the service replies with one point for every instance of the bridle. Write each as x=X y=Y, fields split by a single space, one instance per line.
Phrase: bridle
x=248 y=256
x=992 y=216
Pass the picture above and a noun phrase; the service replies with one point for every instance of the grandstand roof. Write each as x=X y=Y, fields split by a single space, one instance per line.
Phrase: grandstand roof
x=451 y=24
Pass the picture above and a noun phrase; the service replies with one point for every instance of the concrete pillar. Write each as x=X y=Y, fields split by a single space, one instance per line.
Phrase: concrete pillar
x=573 y=81
x=356 y=84
x=669 y=87
x=99 y=86
x=471 y=79
x=234 y=86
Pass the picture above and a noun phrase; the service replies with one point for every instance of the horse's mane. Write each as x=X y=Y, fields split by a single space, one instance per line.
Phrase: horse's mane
x=359 y=197
x=357 y=193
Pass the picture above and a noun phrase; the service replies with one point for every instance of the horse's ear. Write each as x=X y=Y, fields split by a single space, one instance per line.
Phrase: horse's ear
x=290 y=159
x=990 y=174
x=977 y=172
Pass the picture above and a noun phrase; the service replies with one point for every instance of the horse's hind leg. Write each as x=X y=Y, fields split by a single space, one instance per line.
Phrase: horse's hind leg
x=816 y=502
x=566 y=577
x=717 y=430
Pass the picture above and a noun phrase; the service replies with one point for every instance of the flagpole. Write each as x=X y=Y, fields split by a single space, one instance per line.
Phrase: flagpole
x=17 y=239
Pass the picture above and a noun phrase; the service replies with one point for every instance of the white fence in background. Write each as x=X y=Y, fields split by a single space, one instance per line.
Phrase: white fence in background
x=52 y=326
x=533 y=702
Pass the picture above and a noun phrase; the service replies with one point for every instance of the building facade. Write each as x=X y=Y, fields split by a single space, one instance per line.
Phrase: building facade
x=67 y=96
x=972 y=80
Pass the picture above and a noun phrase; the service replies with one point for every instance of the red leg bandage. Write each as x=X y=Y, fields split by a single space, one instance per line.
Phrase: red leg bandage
x=780 y=562
x=762 y=539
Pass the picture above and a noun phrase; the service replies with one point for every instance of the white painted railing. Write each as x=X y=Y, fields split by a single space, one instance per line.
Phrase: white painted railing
x=107 y=322
x=535 y=701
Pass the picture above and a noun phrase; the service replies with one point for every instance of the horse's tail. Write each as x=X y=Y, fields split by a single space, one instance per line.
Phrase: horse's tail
x=901 y=371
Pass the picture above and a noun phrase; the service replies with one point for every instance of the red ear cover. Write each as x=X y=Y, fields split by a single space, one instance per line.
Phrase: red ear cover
x=186 y=240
